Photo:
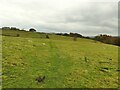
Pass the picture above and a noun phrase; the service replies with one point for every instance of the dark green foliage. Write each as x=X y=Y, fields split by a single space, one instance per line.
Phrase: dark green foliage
x=71 y=34
x=108 y=39
x=87 y=37
x=18 y=35
x=14 y=28
x=47 y=36
x=65 y=34
x=10 y=28
x=75 y=35
x=59 y=34
x=22 y=30
x=5 y=28
x=32 y=29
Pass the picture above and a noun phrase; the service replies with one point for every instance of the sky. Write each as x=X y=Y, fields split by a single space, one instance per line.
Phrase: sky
x=86 y=17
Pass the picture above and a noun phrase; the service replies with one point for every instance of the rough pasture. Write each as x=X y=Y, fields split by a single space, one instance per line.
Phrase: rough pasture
x=64 y=63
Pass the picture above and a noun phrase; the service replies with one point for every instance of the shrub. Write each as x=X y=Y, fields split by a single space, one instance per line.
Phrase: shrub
x=47 y=36
x=108 y=39
x=74 y=38
x=75 y=35
x=32 y=30
x=14 y=28
x=5 y=28
x=18 y=35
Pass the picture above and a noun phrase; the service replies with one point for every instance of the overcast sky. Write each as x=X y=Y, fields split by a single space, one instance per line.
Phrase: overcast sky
x=87 y=17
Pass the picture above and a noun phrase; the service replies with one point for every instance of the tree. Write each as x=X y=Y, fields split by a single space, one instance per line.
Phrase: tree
x=14 y=28
x=108 y=39
x=65 y=34
x=5 y=28
x=75 y=35
x=32 y=30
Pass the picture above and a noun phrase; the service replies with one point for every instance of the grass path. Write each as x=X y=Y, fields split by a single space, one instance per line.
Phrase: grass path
x=59 y=66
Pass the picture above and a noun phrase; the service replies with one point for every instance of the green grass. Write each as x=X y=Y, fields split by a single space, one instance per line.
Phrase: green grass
x=0 y=60
x=65 y=63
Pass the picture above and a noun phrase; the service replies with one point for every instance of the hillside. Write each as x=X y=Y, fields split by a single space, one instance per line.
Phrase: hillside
x=64 y=63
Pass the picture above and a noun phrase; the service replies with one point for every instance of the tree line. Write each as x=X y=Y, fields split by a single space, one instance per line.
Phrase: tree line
x=14 y=28
x=77 y=35
x=102 y=37
x=108 y=39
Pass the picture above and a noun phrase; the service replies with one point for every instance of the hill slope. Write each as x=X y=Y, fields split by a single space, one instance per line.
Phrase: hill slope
x=64 y=63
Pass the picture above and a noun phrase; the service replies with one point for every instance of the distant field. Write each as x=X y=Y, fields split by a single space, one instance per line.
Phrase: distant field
x=64 y=63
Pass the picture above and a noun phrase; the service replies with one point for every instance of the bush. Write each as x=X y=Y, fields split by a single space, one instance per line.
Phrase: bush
x=74 y=38
x=32 y=30
x=108 y=39
x=5 y=28
x=47 y=36
x=18 y=35
x=65 y=34
x=75 y=35
x=14 y=28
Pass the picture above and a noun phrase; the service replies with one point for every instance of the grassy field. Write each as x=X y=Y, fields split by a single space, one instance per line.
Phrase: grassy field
x=64 y=63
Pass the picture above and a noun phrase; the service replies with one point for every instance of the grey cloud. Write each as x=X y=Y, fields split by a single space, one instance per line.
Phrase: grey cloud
x=104 y=21
x=89 y=18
